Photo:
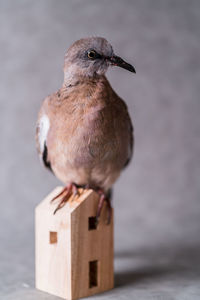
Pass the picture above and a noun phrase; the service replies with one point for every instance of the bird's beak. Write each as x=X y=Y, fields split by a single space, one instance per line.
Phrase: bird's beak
x=118 y=61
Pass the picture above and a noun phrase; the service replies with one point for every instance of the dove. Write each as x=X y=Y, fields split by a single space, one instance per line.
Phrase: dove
x=84 y=133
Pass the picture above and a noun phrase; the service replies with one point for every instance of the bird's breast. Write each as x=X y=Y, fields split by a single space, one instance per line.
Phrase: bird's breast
x=86 y=136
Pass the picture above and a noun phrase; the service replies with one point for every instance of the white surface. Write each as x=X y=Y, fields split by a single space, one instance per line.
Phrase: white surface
x=43 y=131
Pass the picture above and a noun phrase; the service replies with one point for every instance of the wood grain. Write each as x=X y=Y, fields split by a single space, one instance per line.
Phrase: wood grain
x=65 y=247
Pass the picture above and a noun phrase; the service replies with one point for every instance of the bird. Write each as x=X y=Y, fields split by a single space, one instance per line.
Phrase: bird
x=84 y=133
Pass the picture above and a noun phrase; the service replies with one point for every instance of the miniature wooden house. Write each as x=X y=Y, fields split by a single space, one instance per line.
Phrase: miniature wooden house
x=74 y=258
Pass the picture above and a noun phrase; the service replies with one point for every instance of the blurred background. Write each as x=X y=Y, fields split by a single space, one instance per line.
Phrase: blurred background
x=156 y=200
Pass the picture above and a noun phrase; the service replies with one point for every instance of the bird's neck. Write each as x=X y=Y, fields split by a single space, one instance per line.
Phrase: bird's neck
x=71 y=80
x=86 y=88
x=73 y=74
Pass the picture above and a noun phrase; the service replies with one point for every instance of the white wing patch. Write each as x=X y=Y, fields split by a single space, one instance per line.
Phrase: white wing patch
x=44 y=125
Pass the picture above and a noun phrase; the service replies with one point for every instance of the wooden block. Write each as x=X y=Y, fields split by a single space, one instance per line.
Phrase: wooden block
x=74 y=259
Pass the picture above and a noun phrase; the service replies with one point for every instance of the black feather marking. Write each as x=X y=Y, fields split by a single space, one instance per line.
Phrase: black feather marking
x=127 y=162
x=44 y=158
x=110 y=194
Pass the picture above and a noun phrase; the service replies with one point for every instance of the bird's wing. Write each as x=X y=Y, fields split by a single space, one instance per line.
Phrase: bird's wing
x=131 y=140
x=42 y=129
x=127 y=127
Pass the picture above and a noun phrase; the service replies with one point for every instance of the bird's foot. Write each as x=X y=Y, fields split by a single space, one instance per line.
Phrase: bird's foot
x=103 y=197
x=65 y=194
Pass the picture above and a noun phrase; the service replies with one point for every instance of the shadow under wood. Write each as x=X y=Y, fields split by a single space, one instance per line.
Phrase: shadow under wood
x=156 y=263
x=129 y=277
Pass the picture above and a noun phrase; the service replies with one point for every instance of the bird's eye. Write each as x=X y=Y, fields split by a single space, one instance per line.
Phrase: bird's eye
x=91 y=54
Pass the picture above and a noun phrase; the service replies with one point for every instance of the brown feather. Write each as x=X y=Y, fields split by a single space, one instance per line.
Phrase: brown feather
x=90 y=138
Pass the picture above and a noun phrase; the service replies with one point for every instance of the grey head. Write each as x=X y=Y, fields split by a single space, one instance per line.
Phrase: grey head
x=90 y=57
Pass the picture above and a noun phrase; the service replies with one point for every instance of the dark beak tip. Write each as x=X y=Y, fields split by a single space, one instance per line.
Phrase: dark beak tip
x=133 y=70
x=118 y=61
x=129 y=68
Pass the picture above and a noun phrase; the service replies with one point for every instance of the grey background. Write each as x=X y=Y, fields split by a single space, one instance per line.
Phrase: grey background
x=156 y=200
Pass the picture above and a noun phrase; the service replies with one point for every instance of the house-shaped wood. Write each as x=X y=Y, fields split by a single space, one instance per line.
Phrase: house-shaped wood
x=74 y=258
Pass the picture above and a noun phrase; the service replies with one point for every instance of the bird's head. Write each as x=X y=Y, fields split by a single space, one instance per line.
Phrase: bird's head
x=91 y=56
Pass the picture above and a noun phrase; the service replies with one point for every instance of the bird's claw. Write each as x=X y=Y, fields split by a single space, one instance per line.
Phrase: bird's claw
x=103 y=198
x=72 y=189
x=66 y=193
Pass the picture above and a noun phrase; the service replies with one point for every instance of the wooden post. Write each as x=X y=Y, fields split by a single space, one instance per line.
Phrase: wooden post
x=74 y=259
